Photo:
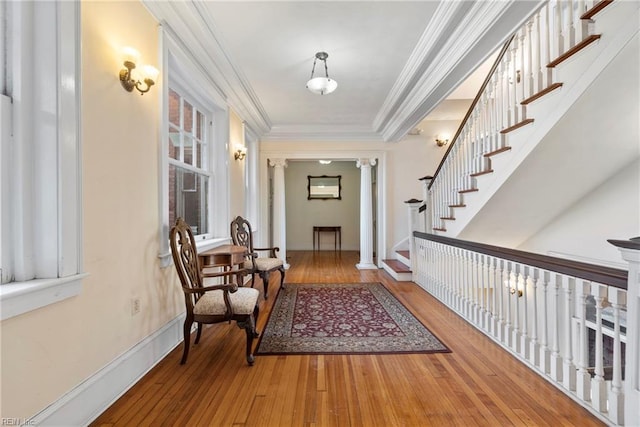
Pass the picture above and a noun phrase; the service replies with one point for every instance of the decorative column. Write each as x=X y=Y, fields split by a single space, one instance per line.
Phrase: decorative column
x=366 y=215
x=630 y=250
x=279 y=209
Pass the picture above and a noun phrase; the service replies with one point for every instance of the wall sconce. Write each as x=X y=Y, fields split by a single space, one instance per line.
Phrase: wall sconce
x=514 y=289
x=241 y=153
x=442 y=140
x=149 y=74
x=518 y=78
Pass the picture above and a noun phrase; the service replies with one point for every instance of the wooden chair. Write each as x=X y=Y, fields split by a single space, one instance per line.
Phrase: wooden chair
x=210 y=304
x=241 y=235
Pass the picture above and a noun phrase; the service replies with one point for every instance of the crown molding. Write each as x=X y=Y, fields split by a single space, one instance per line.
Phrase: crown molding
x=321 y=133
x=191 y=25
x=471 y=38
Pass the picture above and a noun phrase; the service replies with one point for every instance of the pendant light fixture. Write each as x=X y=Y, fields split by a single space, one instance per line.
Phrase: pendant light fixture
x=321 y=85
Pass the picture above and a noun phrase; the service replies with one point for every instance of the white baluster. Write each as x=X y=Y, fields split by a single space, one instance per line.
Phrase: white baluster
x=583 y=383
x=572 y=23
x=598 y=384
x=494 y=283
x=530 y=85
x=523 y=283
x=568 y=371
x=548 y=38
x=515 y=297
x=618 y=300
x=506 y=288
x=499 y=290
x=556 y=357
x=534 y=347
x=545 y=352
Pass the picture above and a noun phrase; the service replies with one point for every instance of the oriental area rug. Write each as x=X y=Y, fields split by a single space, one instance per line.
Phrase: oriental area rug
x=363 y=318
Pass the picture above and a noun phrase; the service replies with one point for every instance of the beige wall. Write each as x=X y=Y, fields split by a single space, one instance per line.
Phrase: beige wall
x=303 y=214
x=47 y=352
x=237 y=189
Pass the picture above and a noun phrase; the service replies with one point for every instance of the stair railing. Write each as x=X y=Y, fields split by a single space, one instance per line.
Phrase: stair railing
x=567 y=320
x=524 y=71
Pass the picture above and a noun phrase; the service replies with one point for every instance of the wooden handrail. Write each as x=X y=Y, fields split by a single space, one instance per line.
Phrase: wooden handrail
x=596 y=273
x=471 y=107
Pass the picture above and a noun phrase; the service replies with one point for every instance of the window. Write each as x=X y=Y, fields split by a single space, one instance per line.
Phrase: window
x=189 y=173
x=194 y=154
x=41 y=241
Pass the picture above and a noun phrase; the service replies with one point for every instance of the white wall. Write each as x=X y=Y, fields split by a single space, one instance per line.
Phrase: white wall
x=303 y=214
x=610 y=211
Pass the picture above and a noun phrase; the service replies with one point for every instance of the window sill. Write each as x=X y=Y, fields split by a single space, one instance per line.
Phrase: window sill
x=201 y=246
x=17 y=298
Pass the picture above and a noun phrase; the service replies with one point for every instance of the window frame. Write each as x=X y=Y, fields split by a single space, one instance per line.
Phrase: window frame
x=205 y=167
x=180 y=68
x=41 y=159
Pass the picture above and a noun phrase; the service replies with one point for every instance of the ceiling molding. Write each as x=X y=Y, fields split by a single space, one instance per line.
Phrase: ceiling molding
x=439 y=26
x=321 y=133
x=479 y=32
x=189 y=24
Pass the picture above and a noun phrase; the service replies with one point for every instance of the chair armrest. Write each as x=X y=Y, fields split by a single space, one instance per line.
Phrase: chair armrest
x=228 y=287
x=224 y=273
x=273 y=250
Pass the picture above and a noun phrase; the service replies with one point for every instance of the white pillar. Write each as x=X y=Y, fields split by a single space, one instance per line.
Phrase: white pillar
x=414 y=225
x=279 y=209
x=630 y=250
x=366 y=215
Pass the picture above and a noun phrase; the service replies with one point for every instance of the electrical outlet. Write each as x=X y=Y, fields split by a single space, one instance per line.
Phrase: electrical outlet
x=135 y=306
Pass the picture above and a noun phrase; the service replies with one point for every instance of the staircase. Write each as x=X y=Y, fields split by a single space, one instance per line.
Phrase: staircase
x=537 y=125
x=400 y=267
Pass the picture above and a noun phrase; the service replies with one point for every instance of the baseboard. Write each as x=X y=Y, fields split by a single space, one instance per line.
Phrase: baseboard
x=88 y=400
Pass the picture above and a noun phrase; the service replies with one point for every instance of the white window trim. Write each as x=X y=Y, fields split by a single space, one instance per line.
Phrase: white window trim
x=196 y=80
x=42 y=238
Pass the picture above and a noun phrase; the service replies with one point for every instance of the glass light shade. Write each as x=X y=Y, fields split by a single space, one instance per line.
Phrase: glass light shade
x=322 y=85
x=129 y=54
x=150 y=72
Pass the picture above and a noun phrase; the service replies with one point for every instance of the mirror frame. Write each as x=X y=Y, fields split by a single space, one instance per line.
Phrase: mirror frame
x=310 y=179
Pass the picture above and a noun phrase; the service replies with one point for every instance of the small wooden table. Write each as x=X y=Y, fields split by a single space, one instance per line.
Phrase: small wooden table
x=225 y=256
x=337 y=235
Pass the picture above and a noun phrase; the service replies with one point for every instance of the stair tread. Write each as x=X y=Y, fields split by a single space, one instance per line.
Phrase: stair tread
x=595 y=9
x=397 y=266
x=540 y=94
x=498 y=151
x=517 y=126
x=404 y=253
x=577 y=48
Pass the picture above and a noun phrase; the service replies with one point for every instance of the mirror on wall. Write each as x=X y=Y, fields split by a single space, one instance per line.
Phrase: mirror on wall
x=324 y=187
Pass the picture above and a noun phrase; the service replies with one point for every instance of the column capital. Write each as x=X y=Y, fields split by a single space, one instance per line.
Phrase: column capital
x=365 y=162
x=278 y=162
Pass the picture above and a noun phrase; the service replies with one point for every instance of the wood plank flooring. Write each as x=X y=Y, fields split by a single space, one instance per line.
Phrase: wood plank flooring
x=478 y=384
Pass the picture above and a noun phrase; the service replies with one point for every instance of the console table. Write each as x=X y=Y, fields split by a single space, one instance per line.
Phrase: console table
x=337 y=235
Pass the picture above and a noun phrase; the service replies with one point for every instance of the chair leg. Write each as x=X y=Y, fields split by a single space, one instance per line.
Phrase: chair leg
x=187 y=339
x=249 y=327
x=265 y=282
x=199 y=333
x=281 y=269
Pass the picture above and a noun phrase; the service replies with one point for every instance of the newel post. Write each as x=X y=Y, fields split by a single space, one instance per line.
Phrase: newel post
x=427 y=205
x=414 y=225
x=630 y=250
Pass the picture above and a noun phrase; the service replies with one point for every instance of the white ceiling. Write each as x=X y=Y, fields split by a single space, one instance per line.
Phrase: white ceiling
x=394 y=61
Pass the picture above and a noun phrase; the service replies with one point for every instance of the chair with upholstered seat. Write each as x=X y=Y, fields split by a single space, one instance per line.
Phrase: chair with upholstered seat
x=213 y=303
x=242 y=235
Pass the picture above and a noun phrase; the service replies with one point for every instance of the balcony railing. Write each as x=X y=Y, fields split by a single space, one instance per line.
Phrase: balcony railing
x=569 y=321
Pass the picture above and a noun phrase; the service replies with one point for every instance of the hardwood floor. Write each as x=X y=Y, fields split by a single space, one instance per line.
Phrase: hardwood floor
x=477 y=384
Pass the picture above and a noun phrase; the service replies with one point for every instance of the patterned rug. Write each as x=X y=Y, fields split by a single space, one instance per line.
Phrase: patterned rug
x=361 y=318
